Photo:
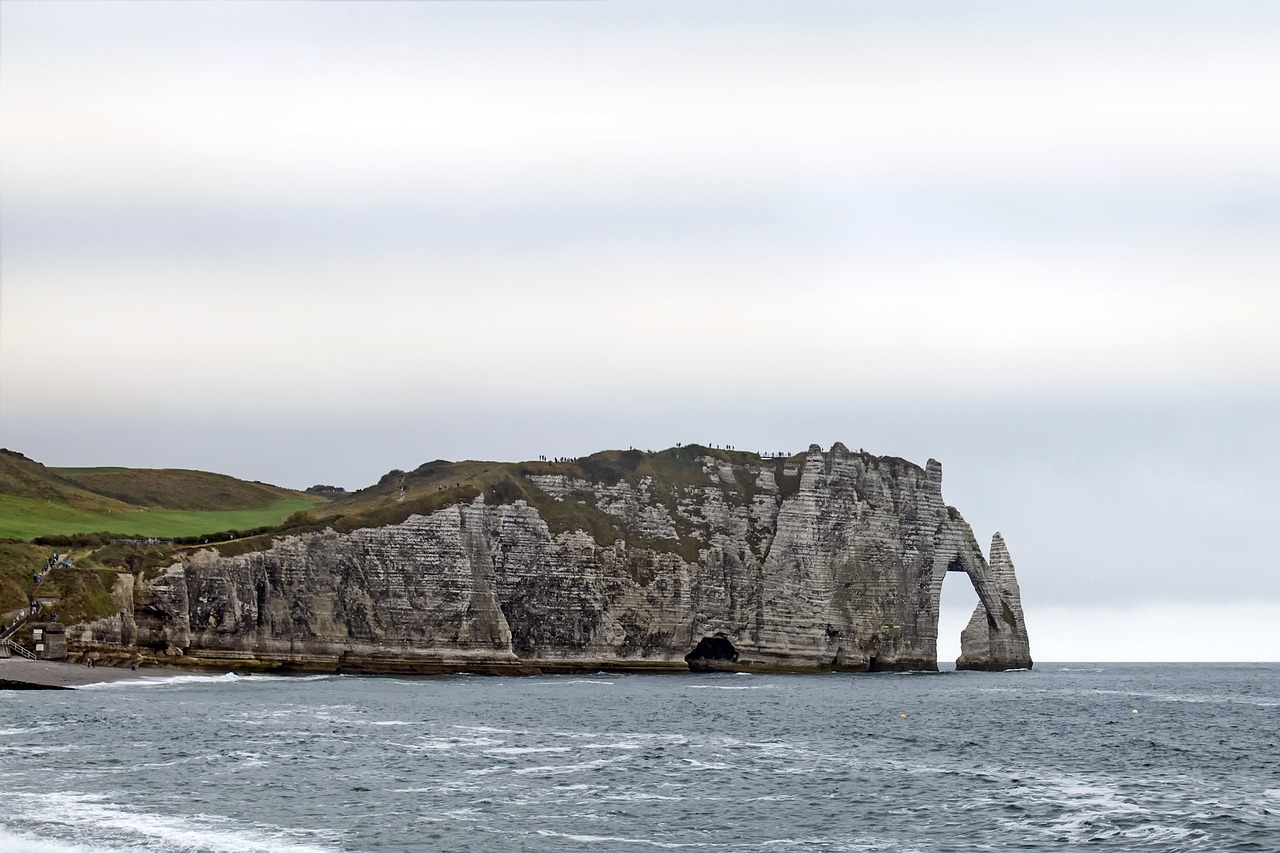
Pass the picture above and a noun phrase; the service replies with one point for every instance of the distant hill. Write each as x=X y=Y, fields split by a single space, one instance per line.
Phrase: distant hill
x=36 y=500
x=171 y=488
x=25 y=479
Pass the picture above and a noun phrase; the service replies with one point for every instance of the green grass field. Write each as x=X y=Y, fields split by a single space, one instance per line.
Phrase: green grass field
x=25 y=518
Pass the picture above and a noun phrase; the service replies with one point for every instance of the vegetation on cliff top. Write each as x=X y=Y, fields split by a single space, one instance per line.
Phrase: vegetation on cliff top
x=36 y=501
x=45 y=509
x=673 y=475
x=76 y=595
x=58 y=506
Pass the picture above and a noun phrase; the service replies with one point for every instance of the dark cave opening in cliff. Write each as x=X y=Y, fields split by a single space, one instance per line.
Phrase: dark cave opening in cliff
x=957 y=604
x=711 y=653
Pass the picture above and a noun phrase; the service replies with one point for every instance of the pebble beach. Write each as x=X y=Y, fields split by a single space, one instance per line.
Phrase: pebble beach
x=21 y=674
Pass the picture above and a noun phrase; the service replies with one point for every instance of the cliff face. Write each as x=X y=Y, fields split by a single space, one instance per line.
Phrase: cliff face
x=826 y=561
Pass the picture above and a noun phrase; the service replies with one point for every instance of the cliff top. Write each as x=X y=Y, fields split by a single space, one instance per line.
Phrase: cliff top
x=41 y=501
x=666 y=477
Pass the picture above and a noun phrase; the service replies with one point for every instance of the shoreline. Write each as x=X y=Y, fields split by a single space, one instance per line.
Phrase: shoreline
x=23 y=674
x=18 y=673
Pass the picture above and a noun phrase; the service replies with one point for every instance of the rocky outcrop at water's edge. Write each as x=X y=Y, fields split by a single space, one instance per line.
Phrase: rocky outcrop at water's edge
x=695 y=560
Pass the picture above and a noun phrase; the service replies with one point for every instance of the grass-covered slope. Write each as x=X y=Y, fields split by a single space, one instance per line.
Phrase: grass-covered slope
x=39 y=501
x=672 y=474
x=171 y=488
x=65 y=503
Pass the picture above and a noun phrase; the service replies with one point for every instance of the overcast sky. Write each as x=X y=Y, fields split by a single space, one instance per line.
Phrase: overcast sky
x=311 y=242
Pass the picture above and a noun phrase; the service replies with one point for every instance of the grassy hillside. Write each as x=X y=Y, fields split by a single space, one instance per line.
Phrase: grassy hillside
x=25 y=479
x=171 y=488
x=78 y=594
x=22 y=518
x=438 y=484
x=17 y=563
x=39 y=501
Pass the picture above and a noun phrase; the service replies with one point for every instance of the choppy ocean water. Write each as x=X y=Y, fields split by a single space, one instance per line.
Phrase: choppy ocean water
x=980 y=761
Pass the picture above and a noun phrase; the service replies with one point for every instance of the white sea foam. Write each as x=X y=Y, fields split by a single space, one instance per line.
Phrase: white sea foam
x=1154 y=832
x=639 y=738
x=796 y=842
x=72 y=815
x=765 y=746
x=1194 y=698
x=524 y=750
x=440 y=743
x=13 y=842
x=186 y=679
x=39 y=749
x=39 y=728
x=1088 y=810
x=448 y=787
x=793 y=842
x=861 y=845
x=694 y=764
x=638 y=797
x=614 y=839
x=166 y=681
x=577 y=681
x=244 y=759
x=560 y=769
x=733 y=687
x=490 y=730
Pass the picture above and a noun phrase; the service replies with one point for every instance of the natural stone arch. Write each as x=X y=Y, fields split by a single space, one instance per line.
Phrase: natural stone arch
x=957 y=600
x=996 y=636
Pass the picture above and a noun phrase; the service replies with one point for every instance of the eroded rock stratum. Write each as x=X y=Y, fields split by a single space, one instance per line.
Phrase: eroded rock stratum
x=824 y=561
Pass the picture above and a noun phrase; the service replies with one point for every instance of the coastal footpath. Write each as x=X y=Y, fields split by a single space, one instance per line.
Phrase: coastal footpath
x=686 y=559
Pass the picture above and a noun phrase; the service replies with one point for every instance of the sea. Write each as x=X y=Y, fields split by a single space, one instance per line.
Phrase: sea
x=1123 y=757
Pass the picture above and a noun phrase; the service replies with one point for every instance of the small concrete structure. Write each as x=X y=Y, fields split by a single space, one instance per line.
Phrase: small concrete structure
x=50 y=641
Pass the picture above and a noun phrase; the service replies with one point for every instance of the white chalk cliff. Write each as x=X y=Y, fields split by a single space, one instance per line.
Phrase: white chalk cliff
x=823 y=561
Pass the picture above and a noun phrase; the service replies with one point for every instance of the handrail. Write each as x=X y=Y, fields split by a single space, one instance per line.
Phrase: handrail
x=8 y=633
x=22 y=650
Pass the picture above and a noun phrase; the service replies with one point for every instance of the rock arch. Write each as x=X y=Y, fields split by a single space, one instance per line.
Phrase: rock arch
x=996 y=636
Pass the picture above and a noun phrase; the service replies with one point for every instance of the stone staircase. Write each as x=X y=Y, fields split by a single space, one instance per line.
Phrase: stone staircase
x=7 y=646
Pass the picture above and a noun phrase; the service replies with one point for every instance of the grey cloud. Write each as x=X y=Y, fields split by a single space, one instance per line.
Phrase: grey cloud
x=1106 y=211
x=92 y=232
x=844 y=218
x=174 y=28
